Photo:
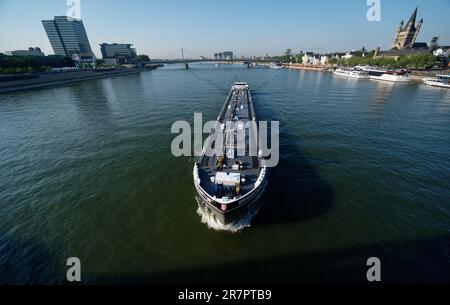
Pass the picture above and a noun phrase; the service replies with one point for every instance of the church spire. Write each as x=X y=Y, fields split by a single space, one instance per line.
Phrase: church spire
x=412 y=20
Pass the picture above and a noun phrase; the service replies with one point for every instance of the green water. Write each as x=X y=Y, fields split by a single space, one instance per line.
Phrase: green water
x=86 y=170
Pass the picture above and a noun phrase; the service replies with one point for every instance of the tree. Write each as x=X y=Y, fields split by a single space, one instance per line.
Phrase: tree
x=144 y=58
x=22 y=64
x=67 y=62
x=332 y=61
x=417 y=61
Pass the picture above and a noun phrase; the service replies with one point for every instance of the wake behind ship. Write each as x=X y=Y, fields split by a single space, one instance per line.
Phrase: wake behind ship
x=229 y=185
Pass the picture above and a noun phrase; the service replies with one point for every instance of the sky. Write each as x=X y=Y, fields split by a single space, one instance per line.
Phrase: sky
x=203 y=27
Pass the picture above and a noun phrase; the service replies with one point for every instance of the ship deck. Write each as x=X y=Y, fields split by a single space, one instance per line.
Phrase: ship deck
x=250 y=173
x=238 y=109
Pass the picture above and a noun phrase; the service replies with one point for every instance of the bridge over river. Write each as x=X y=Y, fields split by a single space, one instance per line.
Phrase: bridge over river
x=198 y=58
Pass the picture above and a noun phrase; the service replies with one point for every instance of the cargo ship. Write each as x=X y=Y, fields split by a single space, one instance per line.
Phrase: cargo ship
x=228 y=184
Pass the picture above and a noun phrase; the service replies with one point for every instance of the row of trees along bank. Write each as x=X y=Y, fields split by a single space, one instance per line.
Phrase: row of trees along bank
x=417 y=61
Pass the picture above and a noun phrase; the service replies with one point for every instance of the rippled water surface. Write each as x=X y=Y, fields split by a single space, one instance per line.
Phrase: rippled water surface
x=86 y=170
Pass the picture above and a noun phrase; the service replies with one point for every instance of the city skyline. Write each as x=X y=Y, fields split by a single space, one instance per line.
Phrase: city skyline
x=207 y=27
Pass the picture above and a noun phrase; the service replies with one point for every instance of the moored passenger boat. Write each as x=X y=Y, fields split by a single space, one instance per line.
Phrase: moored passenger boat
x=354 y=73
x=396 y=76
x=276 y=66
x=441 y=80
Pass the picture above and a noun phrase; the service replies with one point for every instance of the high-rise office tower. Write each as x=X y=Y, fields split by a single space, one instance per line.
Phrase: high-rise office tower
x=68 y=37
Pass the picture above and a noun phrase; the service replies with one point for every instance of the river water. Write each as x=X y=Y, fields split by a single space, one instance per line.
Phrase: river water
x=86 y=171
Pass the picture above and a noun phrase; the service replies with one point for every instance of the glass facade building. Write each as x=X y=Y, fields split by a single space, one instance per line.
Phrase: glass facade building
x=68 y=37
x=122 y=52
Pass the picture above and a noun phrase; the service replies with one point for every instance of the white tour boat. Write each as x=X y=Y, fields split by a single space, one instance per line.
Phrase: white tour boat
x=441 y=80
x=354 y=73
x=396 y=76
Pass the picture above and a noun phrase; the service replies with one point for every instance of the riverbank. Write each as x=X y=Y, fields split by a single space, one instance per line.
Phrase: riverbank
x=318 y=68
x=419 y=75
x=60 y=78
x=415 y=74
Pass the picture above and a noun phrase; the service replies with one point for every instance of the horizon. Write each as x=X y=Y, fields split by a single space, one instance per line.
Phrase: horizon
x=294 y=25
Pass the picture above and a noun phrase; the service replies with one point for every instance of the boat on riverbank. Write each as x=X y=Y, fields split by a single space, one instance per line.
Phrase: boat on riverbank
x=276 y=66
x=396 y=76
x=228 y=184
x=354 y=73
x=441 y=81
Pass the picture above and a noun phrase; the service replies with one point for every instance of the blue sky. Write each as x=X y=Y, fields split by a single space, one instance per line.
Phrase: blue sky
x=247 y=27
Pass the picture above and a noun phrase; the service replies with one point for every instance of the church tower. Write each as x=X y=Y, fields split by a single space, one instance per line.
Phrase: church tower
x=407 y=34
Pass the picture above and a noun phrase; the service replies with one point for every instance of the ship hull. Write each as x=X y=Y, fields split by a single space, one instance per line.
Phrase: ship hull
x=435 y=83
x=391 y=78
x=350 y=75
x=247 y=207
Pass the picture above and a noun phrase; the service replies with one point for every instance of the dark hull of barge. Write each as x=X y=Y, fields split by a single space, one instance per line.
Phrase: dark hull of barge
x=243 y=209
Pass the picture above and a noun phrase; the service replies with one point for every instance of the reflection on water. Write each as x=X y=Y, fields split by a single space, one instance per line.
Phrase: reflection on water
x=109 y=91
x=90 y=96
x=381 y=94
